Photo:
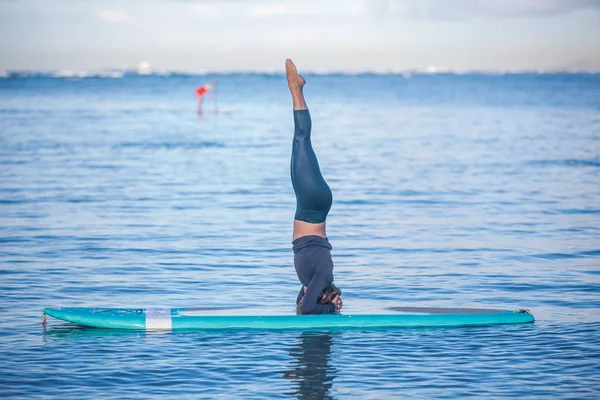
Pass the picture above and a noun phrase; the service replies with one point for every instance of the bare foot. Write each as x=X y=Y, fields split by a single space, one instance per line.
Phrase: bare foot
x=295 y=81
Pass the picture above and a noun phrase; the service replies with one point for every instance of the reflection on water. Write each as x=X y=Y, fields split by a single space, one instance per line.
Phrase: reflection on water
x=310 y=370
x=69 y=333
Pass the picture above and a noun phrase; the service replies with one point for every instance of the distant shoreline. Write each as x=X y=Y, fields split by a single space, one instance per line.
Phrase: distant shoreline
x=115 y=74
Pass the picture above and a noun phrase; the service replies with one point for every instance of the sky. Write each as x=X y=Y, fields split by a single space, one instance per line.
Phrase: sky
x=320 y=35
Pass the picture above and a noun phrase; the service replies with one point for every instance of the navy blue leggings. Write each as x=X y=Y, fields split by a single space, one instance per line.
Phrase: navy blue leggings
x=313 y=195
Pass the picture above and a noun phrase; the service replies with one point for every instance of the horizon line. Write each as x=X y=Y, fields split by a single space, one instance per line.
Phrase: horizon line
x=117 y=72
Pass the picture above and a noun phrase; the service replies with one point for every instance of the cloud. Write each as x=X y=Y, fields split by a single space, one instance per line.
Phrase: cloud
x=112 y=16
x=275 y=8
x=420 y=9
x=409 y=9
x=464 y=9
x=206 y=9
x=308 y=7
x=270 y=9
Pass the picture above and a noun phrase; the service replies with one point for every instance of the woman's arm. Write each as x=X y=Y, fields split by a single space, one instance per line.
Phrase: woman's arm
x=300 y=295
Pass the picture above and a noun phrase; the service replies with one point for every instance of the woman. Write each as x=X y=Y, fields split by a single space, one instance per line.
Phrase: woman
x=312 y=251
x=200 y=92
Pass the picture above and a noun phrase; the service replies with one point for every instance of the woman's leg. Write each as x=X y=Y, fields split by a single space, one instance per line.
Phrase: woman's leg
x=313 y=195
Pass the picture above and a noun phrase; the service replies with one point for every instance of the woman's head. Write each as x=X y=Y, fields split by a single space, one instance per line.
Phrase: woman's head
x=327 y=295
x=330 y=293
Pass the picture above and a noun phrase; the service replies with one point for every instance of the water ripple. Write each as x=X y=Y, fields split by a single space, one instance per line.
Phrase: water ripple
x=449 y=191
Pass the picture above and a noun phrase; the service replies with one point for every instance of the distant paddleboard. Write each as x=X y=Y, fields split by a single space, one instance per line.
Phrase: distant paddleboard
x=224 y=111
x=201 y=319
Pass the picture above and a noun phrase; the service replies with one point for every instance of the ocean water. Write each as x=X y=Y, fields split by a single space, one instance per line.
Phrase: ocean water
x=449 y=191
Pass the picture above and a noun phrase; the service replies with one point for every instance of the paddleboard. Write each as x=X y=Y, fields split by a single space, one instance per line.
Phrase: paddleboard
x=201 y=318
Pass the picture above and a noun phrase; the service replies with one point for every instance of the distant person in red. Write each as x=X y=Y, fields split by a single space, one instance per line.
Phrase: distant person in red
x=200 y=92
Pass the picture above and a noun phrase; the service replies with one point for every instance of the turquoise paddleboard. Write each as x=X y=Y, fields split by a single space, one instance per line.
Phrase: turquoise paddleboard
x=201 y=319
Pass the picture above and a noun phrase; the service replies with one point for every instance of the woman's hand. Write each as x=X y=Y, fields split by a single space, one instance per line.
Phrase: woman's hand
x=337 y=300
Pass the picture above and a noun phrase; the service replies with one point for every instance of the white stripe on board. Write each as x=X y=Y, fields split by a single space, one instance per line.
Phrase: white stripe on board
x=158 y=318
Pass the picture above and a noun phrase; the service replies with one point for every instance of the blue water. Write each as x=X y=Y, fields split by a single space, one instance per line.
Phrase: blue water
x=449 y=191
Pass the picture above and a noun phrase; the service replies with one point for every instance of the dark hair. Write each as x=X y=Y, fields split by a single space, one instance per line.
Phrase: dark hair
x=329 y=293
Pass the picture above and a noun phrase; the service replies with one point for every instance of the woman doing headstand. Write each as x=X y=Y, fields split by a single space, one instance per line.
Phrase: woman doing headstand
x=312 y=251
